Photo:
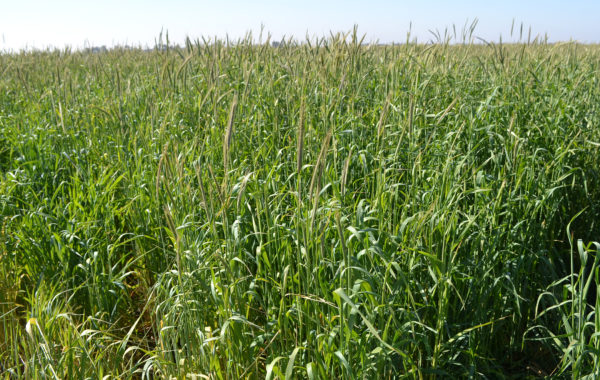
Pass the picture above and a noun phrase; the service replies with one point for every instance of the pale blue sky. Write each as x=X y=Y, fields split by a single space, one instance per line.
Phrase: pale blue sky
x=77 y=23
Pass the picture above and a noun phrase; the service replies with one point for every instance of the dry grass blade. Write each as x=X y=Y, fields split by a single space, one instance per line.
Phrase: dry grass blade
x=158 y=170
x=229 y=134
x=316 y=177
x=345 y=172
x=380 y=124
x=300 y=138
x=410 y=115
x=447 y=110
x=62 y=120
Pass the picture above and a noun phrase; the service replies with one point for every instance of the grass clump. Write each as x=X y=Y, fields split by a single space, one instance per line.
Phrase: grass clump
x=325 y=209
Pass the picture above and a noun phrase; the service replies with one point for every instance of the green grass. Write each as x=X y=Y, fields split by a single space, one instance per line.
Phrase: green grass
x=317 y=210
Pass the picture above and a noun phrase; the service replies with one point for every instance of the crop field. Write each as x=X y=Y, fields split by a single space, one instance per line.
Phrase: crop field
x=321 y=209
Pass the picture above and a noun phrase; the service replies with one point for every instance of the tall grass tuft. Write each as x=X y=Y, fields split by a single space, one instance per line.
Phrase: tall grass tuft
x=320 y=209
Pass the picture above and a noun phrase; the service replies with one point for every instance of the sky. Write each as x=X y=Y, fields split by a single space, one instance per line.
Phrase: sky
x=40 y=24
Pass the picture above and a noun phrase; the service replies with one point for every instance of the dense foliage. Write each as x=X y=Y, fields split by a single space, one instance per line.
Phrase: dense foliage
x=325 y=209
